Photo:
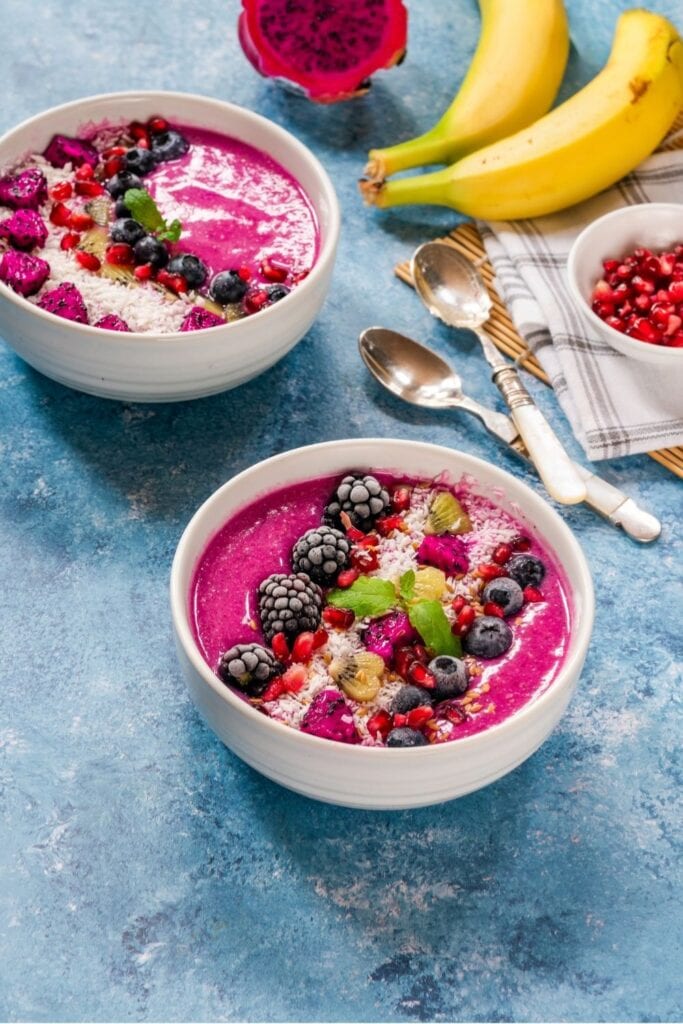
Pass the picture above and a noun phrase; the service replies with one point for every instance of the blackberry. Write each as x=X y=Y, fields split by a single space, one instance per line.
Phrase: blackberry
x=362 y=497
x=289 y=605
x=322 y=553
x=249 y=667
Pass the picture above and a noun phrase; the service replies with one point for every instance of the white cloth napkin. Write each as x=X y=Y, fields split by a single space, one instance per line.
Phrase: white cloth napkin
x=616 y=406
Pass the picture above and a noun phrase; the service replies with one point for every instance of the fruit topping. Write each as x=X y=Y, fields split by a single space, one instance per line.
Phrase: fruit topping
x=139 y=161
x=87 y=260
x=122 y=182
x=360 y=676
x=227 y=287
x=429 y=585
x=384 y=635
x=198 y=319
x=379 y=725
x=25 y=229
x=532 y=595
x=25 y=274
x=408 y=698
x=277 y=292
x=406 y=737
x=488 y=637
x=362 y=498
x=273 y=271
x=464 y=620
x=26 y=190
x=249 y=667
x=527 y=570
x=149 y=250
x=119 y=254
x=63 y=150
x=338 y=618
x=447 y=553
x=446 y=515
x=451 y=676
x=641 y=295
x=191 y=268
x=504 y=592
x=127 y=230
x=168 y=145
x=322 y=553
x=112 y=322
x=66 y=301
x=120 y=208
x=289 y=604
x=330 y=718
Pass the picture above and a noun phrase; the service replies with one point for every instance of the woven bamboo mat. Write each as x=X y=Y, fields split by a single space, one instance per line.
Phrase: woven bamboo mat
x=466 y=239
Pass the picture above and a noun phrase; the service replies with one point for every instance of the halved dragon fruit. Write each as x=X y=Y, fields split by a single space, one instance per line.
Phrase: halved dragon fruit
x=112 y=322
x=325 y=49
x=25 y=229
x=385 y=634
x=447 y=553
x=199 y=318
x=330 y=717
x=63 y=150
x=66 y=301
x=25 y=274
x=26 y=190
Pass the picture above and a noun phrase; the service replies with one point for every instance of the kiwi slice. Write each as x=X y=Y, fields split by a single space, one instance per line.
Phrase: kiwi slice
x=446 y=515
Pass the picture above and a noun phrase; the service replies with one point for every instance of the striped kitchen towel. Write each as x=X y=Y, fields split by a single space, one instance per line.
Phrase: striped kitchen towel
x=616 y=406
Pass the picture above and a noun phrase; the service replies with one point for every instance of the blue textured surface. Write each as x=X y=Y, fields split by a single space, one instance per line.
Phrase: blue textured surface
x=145 y=872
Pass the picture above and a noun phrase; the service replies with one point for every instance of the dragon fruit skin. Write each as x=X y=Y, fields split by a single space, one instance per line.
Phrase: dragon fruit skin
x=198 y=319
x=63 y=150
x=66 y=301
x=26 y=190
x=446 y=552
x=112 y=322
x=383 y=635
x=354 y=40
x=330 y=718
x=25 y=229
x=25 y=274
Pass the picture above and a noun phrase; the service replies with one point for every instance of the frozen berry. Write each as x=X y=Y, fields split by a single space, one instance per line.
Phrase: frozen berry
x=139 y=161
x=228 y=287
x=289 y=604
x=488 y=637
x=451 y=677
x=169 y=145
x=504 y=592
x=362 y=497
x=406 y=737
x=151 y=250
x=249 y=667
x=120 y=209
x=190 y=267
x=277 y=292
x=127 y=230
x=121 y=182
x=322 y=553
x=527 y=570
x=408 y=698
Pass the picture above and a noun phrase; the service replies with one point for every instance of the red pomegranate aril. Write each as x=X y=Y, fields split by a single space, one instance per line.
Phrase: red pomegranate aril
x=420 y=653
x=89 y=188
x=661 y=311
x=303 y=647
x=138 y=130
x=274 y=689
x=338 y=618
x=294 y=678
x=491 y=608
x=603 y=309
x=143 y=143
x=81 y=221
x=61 y=191
x=387 y=524
x=60 y=215
x=453 y=712
x=672 y=326
x=520 y=543
x=400 y=499
x=144 y=272
x=300 y=275
x=464 y=620
x=532 y=595
x=602 y=292
x=642 y=302
x=256 y=300
x=113 y=166
x=502 y=553
x=70 y=240
x=676 y=341
x=402 y=660
x=174 y=282
x=616 y=322
x=280 y=647
x=421 y=676
x=379 y=724
x=364 y=559
x=644 y=331
x=119 y=254
x=114 y=151
x=419 y=716
x=320 y=638
x=458 y=603
x=489 y=571
x=88 y=260
x=346 y=577
x=157 y=124
x=368 y=540
x=244 y=273
x=273 y=271
x=643 y=285
x=84 y=173
x=676 y=291
x=399 y=720
x=609 y=266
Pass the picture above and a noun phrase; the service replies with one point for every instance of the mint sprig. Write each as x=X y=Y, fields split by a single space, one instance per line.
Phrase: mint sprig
x=145 y=211
x=406 y=585
x=368 y=595
x=429 y=619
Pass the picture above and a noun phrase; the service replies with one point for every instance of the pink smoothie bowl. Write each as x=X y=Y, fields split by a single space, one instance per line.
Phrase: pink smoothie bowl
x=376 y=777
x=171 y=367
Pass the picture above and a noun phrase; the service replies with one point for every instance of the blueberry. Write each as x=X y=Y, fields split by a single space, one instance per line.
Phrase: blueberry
x=127 y=230
x=121 y=182
x=151 y=250
x=139 y=161
x=408 y=698
x=451 y=676
x=488 y=637
x=169 y=145
x=120 y=209
x=405 y=737
x=527 y=570
x=189 y=267
x=277 y=292
x=228 y=287
x=506 y=593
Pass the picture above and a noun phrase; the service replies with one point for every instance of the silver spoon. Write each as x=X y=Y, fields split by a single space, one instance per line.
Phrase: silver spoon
x=419 y=376
x=453 y=290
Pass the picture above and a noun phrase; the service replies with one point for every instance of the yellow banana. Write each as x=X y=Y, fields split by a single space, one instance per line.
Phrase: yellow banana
x=576 y=150
x=513 y=79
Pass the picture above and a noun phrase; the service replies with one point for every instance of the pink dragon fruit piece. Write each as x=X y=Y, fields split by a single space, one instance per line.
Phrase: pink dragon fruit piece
x=25 y=274
x=66 y=301
x=63 y=150
x=330 y=717
x=385 y=634
x=112 y=322
x=199 y=318
x=25 y=229
x=26 y=190
x=444 y=552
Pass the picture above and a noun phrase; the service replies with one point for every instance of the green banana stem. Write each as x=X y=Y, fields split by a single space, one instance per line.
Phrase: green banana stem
x=432 y=189
x=434 y=147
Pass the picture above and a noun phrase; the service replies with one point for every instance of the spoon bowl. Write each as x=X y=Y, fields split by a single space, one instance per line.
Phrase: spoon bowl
x=451 y=286
x=408 y=369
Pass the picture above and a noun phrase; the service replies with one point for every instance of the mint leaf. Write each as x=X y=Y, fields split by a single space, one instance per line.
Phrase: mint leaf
x=429 y=619
x=172 y=232
x=406 y=585
x=368 y=595
x=145 y=211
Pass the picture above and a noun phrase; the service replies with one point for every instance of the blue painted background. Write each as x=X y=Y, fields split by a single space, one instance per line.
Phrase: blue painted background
x=145 y=873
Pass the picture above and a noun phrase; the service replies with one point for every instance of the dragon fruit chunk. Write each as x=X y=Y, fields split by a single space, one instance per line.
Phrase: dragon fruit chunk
x=25 y=274
x=330 y=718
x=66 y=301
x=63 y=150
x=25 y=229
x=385 y=634
x=112 y=322
x=326 y=58
x=26 y=190
x=199 y=318
x=446 y=552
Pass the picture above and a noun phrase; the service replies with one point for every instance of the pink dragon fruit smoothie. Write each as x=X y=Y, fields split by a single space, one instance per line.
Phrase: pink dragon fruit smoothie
x=380 y=610
x=154 y=227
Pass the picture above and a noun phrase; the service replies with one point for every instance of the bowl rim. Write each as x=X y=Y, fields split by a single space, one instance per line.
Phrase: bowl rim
x=329 y=242
x=570 y=668
x=616 y=338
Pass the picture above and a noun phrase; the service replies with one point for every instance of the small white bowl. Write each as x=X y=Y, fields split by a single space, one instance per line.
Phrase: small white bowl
x=369 y=777
x=170 y=367
x=655 y=226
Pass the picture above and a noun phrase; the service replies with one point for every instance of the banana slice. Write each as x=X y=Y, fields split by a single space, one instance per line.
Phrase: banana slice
x=359 y=676
x=446 y=515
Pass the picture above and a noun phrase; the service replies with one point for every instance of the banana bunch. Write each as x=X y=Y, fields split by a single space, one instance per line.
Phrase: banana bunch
x=579 y=148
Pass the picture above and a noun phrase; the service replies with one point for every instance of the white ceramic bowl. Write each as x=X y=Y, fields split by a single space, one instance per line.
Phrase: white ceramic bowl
x=170 y=367
x=369 y=777
x=653 y=226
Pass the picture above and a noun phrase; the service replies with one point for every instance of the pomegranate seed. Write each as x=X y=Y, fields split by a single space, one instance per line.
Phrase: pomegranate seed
x=320 y=638
x=300 y=275
x=88 y=260
x=672 y=326
x=502 y=553
x=402 y=660
x=157 y=124
x=532 y=595
x=280 y=647
x=62 y=190
x=380 y=724
x=369 y=540
x=642 y=302
x=144 y=271
x=272 y=270
x=256 y=300
x=520 y=543
x=420 y=653
x=114 y=151
x=464 y=620
x=338 y=618
x=676 y=341
x=489 y=571
x=70 y=240
x=491 y=608
x=661 y=311
x=119 y=254
x=603 y=309
x=81 y=221
x=138 y=130
x=275 y=689
x=644 y=331
x=244 y=273
x=294 y=678
x=387 y=524
x=84 y=173
x=143 y=143
x=351 y=532
x=643 y=285
x=419 y=716
x=421 y=676
x=453 y=712
x=676 y=291
x=347 y=577
x=364 y=559
x=602 y=292
x=400 y=499
x=303 y=647
x=623 y=271
x=457 y=604
x=399 y=720
x=89 y=188
x=112 y=166
x=616 y=322
x=174 y=282
x=60 y=215
x=610 y=266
